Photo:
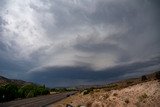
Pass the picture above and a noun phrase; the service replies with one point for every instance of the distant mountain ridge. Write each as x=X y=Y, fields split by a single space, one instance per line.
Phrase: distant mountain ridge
x=4 y=80
x=129 y=81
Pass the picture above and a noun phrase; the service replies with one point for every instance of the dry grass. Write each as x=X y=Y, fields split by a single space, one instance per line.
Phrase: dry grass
x=145 y=94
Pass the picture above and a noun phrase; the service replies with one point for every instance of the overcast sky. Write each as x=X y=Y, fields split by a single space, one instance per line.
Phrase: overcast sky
x=78 y=42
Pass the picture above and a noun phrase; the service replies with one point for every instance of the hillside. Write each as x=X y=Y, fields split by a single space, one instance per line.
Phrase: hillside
x=145 y=94
x=136 y=92
x=121 y=83
x=12 y=89
x=4 y=80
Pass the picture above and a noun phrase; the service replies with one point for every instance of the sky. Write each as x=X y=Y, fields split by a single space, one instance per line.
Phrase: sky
x=78 y=42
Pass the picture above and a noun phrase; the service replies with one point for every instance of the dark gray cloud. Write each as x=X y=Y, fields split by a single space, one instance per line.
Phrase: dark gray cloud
x=83 y=75
x=94 y=38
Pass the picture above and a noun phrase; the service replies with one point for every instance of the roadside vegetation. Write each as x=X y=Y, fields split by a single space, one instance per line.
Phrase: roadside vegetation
x=87 y=91
x=61 y=90
x=10 y=91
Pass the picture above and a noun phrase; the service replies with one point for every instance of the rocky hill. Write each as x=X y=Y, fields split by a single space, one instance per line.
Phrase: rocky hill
x=4 y=80
x=136 y=92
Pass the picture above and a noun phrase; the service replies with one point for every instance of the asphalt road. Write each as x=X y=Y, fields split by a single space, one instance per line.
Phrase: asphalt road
x=40 y=101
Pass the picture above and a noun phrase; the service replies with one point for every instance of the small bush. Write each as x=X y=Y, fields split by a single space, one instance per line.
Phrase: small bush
x=158 y=75
x=115 y=94
x=8 y=92
x=106 y=96
x=2 y=91
x=111 y=85
x=87 y=91
x=97 y=90
x=142 y=97
x=129 y=82
x=127 y=100
x=30 y=94
x=89 y=104
x=68 y=105
x=24 y=90
x=143 y=78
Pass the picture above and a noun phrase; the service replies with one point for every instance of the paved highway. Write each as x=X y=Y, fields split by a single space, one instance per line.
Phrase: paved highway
x=40 y=101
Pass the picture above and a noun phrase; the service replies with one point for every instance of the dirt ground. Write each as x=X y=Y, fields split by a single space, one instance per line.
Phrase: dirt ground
x=145 y=94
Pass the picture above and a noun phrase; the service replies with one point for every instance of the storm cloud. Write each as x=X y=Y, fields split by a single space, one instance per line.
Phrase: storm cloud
x=83 y=75
x=85 y=41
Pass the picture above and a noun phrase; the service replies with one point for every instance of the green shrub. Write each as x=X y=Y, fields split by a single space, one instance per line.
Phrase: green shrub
x=41 y=90
x=8 y=92
x=60 y=90
x=2 y=91
x=45 y=92
x=30 y=94
x=24 y=90
x=11 y=91
x=111 y=85
x=32 y=90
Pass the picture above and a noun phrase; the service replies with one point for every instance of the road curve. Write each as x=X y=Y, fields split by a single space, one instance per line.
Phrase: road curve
x=40 y=101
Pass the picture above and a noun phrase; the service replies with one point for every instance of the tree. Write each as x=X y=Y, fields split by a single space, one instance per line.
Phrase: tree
x=24 y=90
x=10 y=92
x=2 y=91
x=32 y=91
x=41 y=90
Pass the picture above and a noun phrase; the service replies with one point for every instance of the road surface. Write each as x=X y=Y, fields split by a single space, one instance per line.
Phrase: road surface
x=40 y=101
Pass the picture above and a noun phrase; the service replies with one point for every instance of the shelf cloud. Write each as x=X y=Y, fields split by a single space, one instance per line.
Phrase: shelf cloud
x=86 y=41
